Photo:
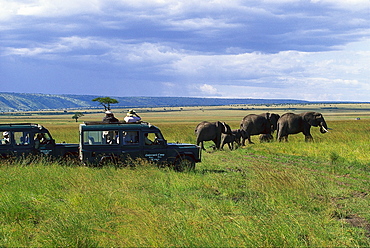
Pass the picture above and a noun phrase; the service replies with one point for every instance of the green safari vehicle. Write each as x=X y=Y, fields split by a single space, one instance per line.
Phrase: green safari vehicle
x=119 y=143
x=24 y=139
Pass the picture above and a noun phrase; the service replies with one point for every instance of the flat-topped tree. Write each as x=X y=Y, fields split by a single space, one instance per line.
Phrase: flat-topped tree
x=105 y=102
x=77 y=115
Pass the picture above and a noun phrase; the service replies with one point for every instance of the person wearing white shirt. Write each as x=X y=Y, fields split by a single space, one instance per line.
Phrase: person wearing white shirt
x=131 y=117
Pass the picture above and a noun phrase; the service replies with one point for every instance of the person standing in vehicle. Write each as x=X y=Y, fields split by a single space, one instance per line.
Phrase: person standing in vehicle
x=109 y=117
x=6 y=138
x=132 y=116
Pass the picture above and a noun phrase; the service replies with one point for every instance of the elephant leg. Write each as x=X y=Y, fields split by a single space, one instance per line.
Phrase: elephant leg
x=216 y=146
x=243 y=137
x=229 y=145
x=248 y=137
x=308 y=138
x=217 y=143
x=202 y=145
x=222 y=143
x=283 y=138
x=307 y=135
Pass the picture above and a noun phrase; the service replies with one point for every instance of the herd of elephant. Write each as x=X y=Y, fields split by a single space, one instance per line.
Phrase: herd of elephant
x=264 y=125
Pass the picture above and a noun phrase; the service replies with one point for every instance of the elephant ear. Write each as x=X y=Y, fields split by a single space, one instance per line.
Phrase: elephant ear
x=226 y=128
x=310 y=118
x=318 y=117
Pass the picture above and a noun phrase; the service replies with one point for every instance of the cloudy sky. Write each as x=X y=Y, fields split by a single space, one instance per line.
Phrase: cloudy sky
x=280 y=49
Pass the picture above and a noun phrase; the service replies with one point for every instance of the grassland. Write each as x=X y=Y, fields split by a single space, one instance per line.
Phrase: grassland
x=292 y=194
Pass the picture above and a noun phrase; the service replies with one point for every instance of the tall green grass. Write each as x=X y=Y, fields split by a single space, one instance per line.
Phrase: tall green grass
x=249 y=200
x=262 y=195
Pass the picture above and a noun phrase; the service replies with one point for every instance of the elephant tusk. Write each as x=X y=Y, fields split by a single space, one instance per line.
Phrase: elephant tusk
x=326 y=130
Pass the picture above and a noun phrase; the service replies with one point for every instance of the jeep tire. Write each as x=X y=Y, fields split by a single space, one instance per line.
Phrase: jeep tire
x=184 y=163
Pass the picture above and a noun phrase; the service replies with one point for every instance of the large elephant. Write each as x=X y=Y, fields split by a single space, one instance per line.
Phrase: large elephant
x=206 y=131
x=253 y=124
x=291 y=123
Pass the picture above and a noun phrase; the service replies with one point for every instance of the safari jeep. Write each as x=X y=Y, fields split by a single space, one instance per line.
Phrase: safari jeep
x=23 y=139
x=119 y=143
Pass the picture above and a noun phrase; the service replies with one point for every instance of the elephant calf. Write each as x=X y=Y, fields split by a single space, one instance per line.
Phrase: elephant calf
x=230 y=138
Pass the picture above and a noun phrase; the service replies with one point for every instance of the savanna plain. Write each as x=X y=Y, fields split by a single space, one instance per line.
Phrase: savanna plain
x=293 y=194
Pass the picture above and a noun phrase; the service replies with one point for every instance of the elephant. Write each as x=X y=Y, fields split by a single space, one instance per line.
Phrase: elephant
x=229 y=139
x=206 y=131
x=253 y=124
x=238 y=135
x=290 y=123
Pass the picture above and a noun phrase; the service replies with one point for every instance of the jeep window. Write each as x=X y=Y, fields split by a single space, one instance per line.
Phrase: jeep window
x=153 y=138
x=41 y=139
x=130 y=137
x=22 y=138
x=101 y=137
x=6 y=138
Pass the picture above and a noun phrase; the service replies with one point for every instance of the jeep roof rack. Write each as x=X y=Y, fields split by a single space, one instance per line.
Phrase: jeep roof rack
x=22 y=124
x=112 y=123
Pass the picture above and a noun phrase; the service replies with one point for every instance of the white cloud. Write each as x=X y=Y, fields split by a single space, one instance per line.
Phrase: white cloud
x=112 y=50
x=287 y=74
x=58 y=7
x=201 y=23
x=240 y=66
x=220 y=48
x=60 y=47
x=346 y=4
x=207 y=89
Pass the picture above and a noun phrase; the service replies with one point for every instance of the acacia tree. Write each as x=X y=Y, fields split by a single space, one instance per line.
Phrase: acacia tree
x=77 y=115
x=105 y=102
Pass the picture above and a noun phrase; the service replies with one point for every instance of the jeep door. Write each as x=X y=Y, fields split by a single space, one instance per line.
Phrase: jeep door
x=43 y=143
x=100 y=146
x=130 y=148
x=155 y=147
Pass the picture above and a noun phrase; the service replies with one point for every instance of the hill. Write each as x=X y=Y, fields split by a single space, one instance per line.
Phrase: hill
x=32 y=102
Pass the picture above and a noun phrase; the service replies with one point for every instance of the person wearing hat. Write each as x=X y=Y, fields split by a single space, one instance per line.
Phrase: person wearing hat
x=6 y=138
x=109 y=117
x=132 y=116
